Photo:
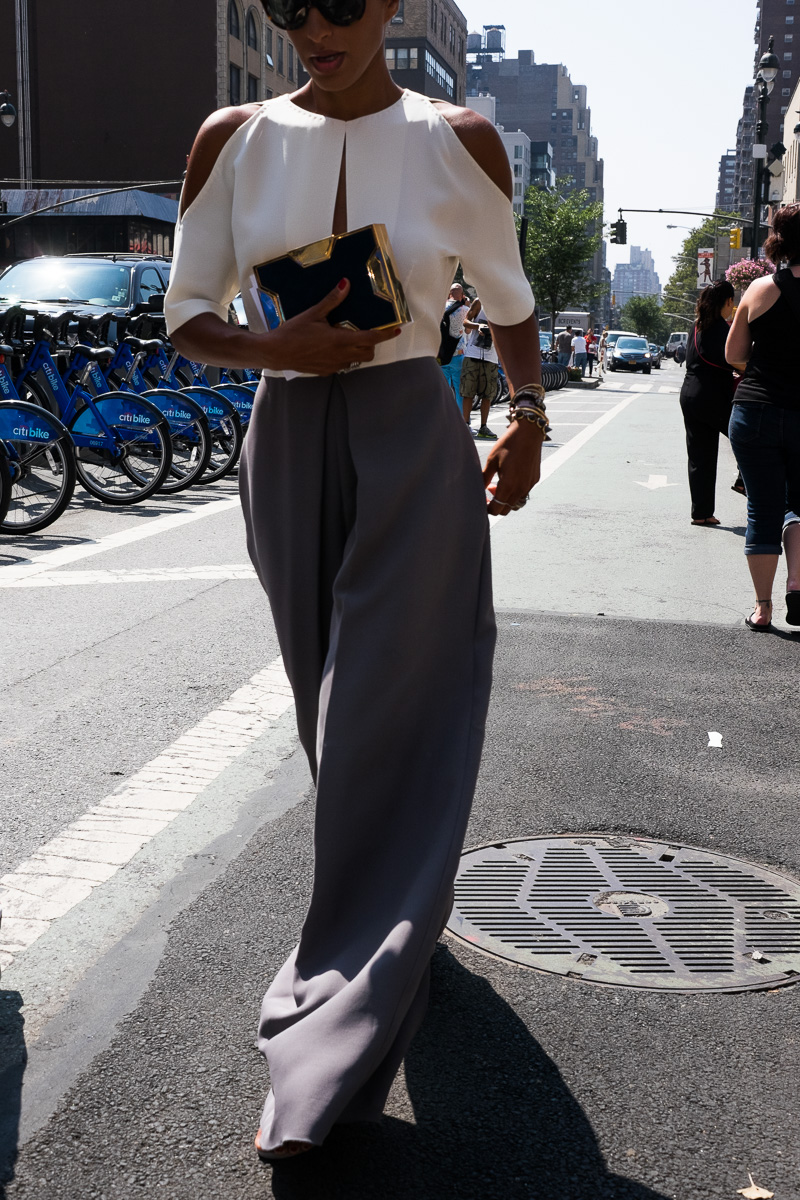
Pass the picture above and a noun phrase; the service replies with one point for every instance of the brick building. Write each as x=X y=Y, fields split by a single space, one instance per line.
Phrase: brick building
x=426 y=49
x=104 y=97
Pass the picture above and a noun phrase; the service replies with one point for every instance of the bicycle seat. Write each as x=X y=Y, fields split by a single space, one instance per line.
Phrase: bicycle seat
x=7 y=349
x=149 y=346
x=96 y=353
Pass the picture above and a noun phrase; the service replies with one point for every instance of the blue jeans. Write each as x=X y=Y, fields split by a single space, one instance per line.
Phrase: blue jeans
x=452 y=373
x=766 y=442
x=580 y=361
x=563 y=357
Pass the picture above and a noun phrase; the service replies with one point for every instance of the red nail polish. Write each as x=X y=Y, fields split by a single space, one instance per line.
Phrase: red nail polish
x=341 y=285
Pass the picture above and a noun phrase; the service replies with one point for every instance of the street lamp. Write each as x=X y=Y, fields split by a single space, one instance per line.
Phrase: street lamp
x=8 y=114
x=768 y=68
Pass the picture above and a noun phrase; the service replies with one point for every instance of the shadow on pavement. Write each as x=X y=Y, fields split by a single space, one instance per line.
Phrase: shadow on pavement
x=13 y=1057
x=494 y=1118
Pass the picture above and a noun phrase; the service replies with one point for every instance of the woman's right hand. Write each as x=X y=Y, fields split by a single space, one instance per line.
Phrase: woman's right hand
x=309 y=344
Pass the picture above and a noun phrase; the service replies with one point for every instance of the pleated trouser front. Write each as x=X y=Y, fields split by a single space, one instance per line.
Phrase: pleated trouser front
x=366 y=522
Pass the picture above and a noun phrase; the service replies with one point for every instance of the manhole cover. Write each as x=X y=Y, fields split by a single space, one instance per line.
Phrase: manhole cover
x=630 y=913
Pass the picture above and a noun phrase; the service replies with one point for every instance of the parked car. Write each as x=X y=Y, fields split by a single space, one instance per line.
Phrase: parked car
x=630 y=354
x=657 y=355
x=88 y=284
x=545 y=342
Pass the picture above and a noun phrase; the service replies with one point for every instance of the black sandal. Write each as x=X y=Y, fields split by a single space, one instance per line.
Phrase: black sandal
x=793 y=608
x=750 y=623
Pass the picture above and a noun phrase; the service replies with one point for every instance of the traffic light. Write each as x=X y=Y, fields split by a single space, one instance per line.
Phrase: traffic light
x=736 y=239
x=619 y=232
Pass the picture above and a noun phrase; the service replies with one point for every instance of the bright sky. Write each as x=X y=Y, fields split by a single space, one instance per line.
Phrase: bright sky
x=665 y=85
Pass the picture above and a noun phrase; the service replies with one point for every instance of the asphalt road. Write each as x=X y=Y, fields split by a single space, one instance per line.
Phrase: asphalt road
x=140 y=1000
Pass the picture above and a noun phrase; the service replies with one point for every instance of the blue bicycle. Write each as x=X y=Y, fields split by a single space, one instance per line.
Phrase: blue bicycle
x=122 y=449
x=37 y=461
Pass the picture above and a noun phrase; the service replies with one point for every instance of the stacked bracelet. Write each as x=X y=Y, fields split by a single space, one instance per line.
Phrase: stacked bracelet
x=533 y=391
x=533 y=415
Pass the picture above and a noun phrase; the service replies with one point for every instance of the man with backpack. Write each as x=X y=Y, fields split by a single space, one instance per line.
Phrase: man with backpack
x=451 y=348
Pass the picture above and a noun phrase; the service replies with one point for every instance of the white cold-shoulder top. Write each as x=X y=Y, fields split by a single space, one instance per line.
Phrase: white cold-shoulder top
x=273 y=189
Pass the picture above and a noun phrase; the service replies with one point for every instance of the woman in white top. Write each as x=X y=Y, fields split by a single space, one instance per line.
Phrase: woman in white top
x=366 y=520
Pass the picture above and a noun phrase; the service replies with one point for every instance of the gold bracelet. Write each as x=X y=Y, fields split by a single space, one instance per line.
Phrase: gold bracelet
x=533 y=418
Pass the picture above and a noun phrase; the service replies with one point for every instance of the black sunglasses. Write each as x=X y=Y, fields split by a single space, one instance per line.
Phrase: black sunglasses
x=292 y=14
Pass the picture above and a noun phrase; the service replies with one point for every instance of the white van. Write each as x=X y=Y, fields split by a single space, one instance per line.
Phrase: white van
x=673 y=341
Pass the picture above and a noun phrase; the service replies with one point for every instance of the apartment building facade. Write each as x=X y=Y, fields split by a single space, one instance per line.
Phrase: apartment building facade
x=726 y=184
x=426 y=49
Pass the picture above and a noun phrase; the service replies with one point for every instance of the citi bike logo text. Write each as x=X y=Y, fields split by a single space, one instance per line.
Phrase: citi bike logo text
x=52 y=376
x=5 y=386
x=30 y=434
x=134 y=419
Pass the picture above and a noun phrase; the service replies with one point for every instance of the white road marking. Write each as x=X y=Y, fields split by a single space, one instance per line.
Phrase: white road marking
x=653 y=482
x=134 y=575
x=112 y=541
x=668 y=391
x=90 y=850
x=557 y=459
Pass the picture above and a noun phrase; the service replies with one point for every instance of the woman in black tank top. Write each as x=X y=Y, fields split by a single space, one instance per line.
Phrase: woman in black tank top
x=765 y=424
x=707 y=396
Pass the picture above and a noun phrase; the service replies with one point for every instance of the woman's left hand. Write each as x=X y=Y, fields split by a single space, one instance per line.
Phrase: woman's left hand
x=516 y=460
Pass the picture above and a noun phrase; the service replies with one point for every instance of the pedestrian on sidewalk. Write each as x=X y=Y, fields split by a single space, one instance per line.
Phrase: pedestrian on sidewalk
x=707 y=396
x=366 y=517
x=765 y=424
x=451 y=347
x=480 y=377
x=602 y=350
x=564 y=346
x=579 y=351
x=591 y=351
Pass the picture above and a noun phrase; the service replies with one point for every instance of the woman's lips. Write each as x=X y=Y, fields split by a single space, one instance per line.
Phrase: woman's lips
x=325 y=64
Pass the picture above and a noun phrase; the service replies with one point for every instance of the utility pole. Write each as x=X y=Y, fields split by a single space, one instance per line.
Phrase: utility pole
x=24 y=92
x=768 y=69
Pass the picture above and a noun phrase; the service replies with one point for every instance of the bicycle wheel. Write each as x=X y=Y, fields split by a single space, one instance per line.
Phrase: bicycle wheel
x=5 y=484
x=131 y=464
x=242 y=398
x=38 y=456
x=190 y=436
x=226 y=432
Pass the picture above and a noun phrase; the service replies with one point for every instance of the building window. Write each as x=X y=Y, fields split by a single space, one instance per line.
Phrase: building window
x=390 y=57
x=290 y=72
x=518 y=152
x=252 y=32
x=517 y=189
x=269 y=93
x=234 y=24
x=235 y=83
x=268 y=50
x=253 y=89
x=788 y=37
x=790 y=20
x=787 y=57
x=434 y=15
x=280 y=55
x=442 y=76
x=786 y=91
x=786 y=75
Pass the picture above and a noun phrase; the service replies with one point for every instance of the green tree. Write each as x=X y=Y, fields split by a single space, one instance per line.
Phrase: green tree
x=564 y=234
x=680 y=294
x=644 y=315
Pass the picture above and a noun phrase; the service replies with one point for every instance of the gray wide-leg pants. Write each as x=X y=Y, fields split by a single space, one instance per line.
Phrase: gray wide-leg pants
x=366 y=522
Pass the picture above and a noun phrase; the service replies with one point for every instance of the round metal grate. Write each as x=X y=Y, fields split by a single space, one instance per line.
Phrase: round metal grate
x=630 y=913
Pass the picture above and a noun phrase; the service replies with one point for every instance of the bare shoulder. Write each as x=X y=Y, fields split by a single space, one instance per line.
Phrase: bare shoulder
x=215 y=132
x=760 y=296
x=481 y=139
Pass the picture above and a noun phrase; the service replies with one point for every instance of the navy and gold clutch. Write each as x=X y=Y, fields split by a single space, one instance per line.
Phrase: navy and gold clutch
x=287 y=286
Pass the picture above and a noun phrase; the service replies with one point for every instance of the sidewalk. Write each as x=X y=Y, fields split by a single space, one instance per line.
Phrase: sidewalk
x=520 y=1084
